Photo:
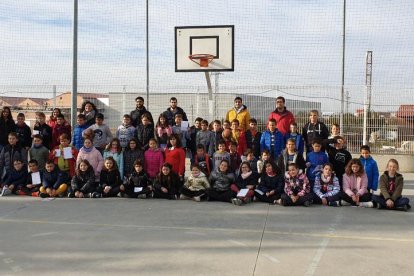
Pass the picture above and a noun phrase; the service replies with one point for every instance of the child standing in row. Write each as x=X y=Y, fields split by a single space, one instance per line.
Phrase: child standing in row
x=39 y=152
x=315 y=160
x=370 y=167
x=153 y=159
x=131 y=154
x=77 y=138
x=125 y=132
x=114 y=150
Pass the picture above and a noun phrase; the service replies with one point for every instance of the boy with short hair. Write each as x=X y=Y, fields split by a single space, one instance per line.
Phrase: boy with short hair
x=220 y=155
x=23 y=131
x=217 y=132
x=33 y=183
x=294 y=134
x=61 y=127
x=16 y=178
x=183 y=133
x=194 y=129
x=253 y=138
x=77 y=139
x=314 y=129
x=54 y=181
x=235 y=158
x=249 y=157
x=203 y=160
x=272 y=140
x=205 y=137
x=315 y=161
x=338 y=156
x=370 y=167
x=126 y=131
x=43 y=129
x=39 y=152
x=103 y=135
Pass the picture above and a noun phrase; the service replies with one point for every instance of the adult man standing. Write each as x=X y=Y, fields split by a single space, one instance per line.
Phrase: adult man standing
x=239 y=112
x=282 y=116
x=173 y=110
x=139 y=111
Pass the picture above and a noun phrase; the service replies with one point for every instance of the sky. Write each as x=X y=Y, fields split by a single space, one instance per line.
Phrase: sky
x=285 y=43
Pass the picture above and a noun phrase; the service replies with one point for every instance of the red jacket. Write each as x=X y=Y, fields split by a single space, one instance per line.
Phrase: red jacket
x=283 y=120
x=176 y=158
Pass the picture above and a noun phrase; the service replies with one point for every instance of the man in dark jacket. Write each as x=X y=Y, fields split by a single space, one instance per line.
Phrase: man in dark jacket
x=139 y=111
x=173 y=110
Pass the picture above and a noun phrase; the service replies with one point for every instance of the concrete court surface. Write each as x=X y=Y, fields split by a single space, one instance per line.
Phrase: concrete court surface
x=160 y=237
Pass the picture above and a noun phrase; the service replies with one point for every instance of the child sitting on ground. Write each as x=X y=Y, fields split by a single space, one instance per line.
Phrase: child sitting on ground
x=137 y=185
x=326 y=188
x=297 y=188
x=195 y=186
x=391 y=187
x=55 y=182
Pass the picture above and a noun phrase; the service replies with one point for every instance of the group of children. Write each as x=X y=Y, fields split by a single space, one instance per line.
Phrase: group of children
x=228 y=163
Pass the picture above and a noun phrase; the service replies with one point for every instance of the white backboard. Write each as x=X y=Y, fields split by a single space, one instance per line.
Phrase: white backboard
x=214 y=40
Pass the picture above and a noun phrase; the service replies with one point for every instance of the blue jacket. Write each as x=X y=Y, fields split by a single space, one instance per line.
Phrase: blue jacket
x=299 y=143
x=54 y=178
x=17 y=178
x=317 y=159
x=77 y=139
x=371 y=169
x=279 y=142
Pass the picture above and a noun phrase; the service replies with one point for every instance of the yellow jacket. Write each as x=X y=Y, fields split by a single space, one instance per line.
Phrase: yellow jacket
x=242 y=115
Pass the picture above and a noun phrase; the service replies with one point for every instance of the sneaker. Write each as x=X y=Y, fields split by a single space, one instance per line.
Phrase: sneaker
x=184 y=197
x=368 y=204
x=344 y=203
x=70 y=195
x=307 y=203
x=35 y=194
x=197 y=198
x=278 y=202
x=120 y=194
x=333 y=203
x=20 y=193
x=5 y=192
x=95 y=195
x=143 y=196
x=237 y=201
x=42 y=195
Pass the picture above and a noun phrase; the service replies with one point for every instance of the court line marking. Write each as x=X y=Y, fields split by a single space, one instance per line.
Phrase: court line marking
x=287 y=233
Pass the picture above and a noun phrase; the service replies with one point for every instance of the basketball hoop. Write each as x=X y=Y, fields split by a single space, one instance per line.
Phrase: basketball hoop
x=201 y=59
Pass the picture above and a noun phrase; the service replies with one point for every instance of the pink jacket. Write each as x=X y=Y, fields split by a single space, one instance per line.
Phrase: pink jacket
x=94 y=157
x=153 y=160
x=355 y=185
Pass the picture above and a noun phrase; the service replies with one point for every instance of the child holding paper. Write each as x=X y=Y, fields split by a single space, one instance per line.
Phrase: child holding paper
x=33 y=181
x=64 y=155
x=245 y=184
x=137 y=185
x=55 y=182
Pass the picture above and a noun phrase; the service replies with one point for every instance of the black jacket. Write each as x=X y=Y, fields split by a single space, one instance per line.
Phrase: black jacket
x=46 y=132
x=143 y=135
x=136 y=116
x=253 y=142
x=5 y=128
x=9 y=154
x=171 y=115
x=25 y=135
x=110 y=178
x=84 y=182
x=312 y=131
x=54 y=178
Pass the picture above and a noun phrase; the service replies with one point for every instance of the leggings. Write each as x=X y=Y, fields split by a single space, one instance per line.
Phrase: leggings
x=287 y=201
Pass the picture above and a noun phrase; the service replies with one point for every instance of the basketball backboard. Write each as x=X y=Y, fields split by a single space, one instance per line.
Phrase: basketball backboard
x=213 y=40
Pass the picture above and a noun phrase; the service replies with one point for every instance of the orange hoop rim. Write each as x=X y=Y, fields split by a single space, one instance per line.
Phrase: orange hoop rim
x=202 y=58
